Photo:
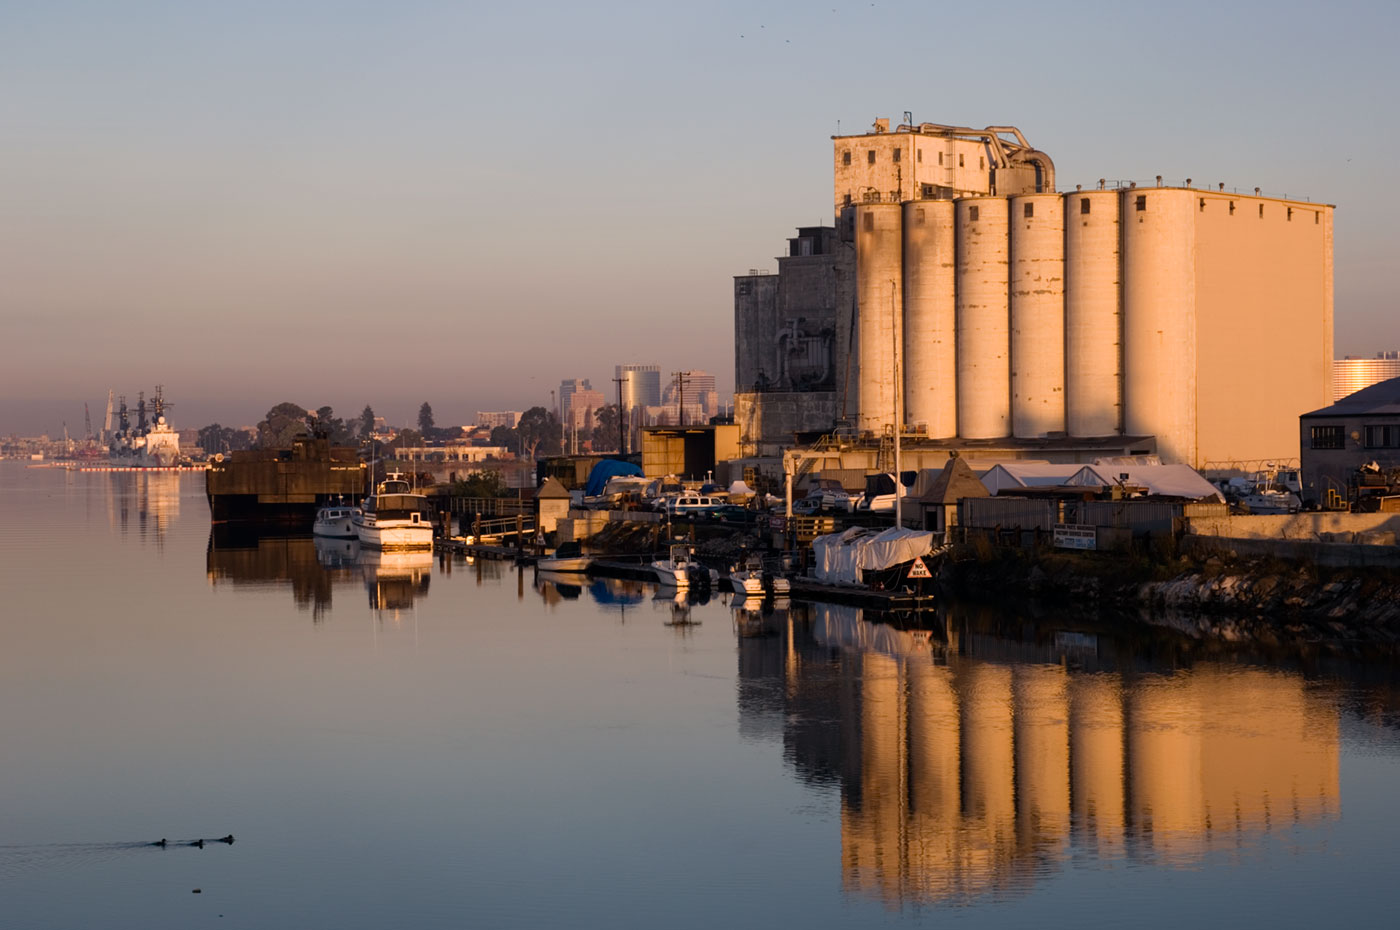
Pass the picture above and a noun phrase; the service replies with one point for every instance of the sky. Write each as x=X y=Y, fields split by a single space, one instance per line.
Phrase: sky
x=353 y=203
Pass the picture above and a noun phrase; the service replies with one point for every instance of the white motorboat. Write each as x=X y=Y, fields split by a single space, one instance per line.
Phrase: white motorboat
x=568 y=557
x=394 y=517
x=335 y=521
x=674 y=572
x=748 y=581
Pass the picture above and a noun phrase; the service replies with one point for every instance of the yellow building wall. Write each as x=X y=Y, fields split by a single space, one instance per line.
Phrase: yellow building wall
x=1263 y=323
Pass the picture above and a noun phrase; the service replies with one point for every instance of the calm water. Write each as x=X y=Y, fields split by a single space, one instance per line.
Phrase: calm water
x=402 y=742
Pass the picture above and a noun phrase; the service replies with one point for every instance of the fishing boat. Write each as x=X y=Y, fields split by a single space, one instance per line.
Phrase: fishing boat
x=674 y=571
x=568 y=557
x=748 y=581
x=394 y=517
x=335 y=521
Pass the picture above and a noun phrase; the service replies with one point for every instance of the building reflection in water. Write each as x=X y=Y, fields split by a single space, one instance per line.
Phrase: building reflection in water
x=154 y=496
x=312 y=567
x=973 y=768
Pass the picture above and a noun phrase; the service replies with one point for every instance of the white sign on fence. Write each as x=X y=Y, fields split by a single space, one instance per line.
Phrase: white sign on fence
x=1075 y=536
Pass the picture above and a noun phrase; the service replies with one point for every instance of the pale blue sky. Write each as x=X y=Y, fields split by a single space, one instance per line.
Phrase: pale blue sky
x=460 y=202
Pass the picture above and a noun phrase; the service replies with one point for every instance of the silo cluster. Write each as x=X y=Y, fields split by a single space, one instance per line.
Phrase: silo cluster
x=1028 y=316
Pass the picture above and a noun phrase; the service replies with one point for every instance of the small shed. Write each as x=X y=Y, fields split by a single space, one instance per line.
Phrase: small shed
x=551 y=505
x=936 y=502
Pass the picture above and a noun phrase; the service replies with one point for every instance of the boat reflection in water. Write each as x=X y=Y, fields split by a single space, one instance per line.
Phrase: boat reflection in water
x=154 y=495
x=395 y=579
x=972 y=767
x=241 y=555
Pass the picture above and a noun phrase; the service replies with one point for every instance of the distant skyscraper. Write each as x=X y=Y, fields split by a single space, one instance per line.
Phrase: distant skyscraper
x=495 y=418
x=567 y=389
x=1351 y=374
x=698 y=388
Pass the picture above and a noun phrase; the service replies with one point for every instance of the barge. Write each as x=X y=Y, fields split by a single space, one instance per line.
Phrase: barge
x=283 y=486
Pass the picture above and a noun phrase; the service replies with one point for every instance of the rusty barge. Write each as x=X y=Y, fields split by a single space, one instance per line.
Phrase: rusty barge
x=283 y=486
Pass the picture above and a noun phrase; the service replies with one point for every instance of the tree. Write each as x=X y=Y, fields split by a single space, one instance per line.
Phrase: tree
x=215 y=438
x=488 y=483
x=327 y=422
x=407 y=438
x=507 y=437
x=425 y=419
x=366 y=422
x=538 y=431
x=605 y=433
x=283 y=423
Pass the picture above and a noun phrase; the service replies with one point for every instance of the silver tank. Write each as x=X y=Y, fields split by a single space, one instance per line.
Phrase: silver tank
x=1093 y=314
x=930 y=314
x=879 y=299
x=983 y=328
x=1037 y=315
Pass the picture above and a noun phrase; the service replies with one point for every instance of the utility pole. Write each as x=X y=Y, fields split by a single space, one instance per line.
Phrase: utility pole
x=621 y=420
x=681 y=379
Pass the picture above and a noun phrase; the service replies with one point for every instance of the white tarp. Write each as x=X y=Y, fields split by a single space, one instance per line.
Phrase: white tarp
x=843 y=558
x=1159 y=480
x=846 y=628
x=1008 y=476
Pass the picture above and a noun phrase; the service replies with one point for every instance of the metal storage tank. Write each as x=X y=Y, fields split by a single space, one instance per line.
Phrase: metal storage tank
x=984 y=325
x=1037 y=315
x=1159 y=320
x=879 y=297
x=1093 y=314
x=930 y=318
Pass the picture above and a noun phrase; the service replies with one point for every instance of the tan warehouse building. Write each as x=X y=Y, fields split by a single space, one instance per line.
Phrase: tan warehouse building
x=976 y=306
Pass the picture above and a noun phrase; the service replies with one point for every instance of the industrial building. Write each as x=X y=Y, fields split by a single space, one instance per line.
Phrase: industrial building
x=960 y=296
x=1353 y=373
x=1361 y=429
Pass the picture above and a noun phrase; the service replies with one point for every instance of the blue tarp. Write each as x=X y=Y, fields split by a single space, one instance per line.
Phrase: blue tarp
x=608 y=468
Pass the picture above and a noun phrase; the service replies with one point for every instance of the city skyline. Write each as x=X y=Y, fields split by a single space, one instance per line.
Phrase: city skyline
x=215 y=200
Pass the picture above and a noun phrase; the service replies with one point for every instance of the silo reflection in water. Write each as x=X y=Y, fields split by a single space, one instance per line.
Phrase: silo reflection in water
x=964 y=776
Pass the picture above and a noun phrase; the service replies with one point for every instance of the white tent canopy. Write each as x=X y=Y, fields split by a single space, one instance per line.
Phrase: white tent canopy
x=1008 y=476
x=1159 y=480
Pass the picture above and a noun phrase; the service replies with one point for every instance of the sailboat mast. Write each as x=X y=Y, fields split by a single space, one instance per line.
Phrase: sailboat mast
x=896 y=319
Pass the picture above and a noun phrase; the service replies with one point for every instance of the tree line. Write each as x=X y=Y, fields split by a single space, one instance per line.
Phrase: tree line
x=537 y=434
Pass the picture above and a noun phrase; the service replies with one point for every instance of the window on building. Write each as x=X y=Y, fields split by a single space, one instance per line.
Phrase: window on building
x=919 y=156
x=1317 y=218
x=1203 y=205
x=960 y=160
x=870 y=157
x=981 y=162
x=896 y=155
x=1232 y=208
x=927 y=190
x=1141 y=202
x=1328 y=437
x=846 y=157
x=1383 y=437
x=1029 y=210
x=1290 y=215
x=972 y=213
x=869 y=223
x=940 y=158
x=1083 y=204
x=1261 y=211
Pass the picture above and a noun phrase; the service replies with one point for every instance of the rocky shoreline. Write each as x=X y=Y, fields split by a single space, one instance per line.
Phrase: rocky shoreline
x=1224 y=596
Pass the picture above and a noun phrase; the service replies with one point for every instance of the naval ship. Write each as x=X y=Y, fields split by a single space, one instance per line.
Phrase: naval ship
x=151 y=442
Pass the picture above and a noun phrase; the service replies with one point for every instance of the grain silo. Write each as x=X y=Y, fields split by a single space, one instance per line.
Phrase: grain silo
x=879 y=298
x=1159 y=319
x=930 y=348
x=983 y=329
x=1037 y=315
x=1093 y=314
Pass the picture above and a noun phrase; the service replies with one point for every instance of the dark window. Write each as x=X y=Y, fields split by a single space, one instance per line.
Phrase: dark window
x=1084 y=205
x=928 y=190
x=847 y=201
x=1290 y=214
x=1327 y=437
x=1232 y=208
x=1203 y=205
x=870 y=157
x=981 y=162
x=960 y=161
x=1317 y=218
x=1261 y=211
x=940 y=158
x=1029 y=210
x=896 y=155
x=919 y=155
x=972 y=214
x=1383 y=437
x=1141 y=202
x=846 y=157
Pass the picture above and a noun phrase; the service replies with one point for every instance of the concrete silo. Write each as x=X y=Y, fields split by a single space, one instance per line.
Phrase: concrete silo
x=930 y=312
x=983 y=328
x=1037 y=315
x=879 y=299
x=1159 y=319
x=1093 y=314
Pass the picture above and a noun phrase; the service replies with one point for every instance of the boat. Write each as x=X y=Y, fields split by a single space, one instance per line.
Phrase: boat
x=748 y=581
x=568 y=557
x=152 y=443
x=335 y=521
x=674 y=571
x=394 y=517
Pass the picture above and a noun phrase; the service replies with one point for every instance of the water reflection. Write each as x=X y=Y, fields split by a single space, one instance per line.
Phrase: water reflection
x=149 y=500
x=395 y=580
x=964 y=775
